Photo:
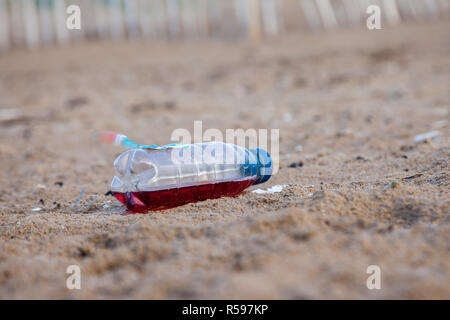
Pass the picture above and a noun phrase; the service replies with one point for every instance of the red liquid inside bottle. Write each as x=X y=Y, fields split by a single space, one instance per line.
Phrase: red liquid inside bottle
x=143 y=201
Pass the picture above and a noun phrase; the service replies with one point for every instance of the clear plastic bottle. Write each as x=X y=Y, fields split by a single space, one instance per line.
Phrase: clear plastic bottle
x=161 y=179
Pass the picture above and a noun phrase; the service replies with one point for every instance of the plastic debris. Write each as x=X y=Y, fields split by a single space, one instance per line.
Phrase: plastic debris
x=413 y=176
x=36 y=209
x=271 y=190
x=175 y=174
x=287 y=117
x=9 y=114
x=425 y=136
x=79 y=197
x=40 y=187
x=121 y=140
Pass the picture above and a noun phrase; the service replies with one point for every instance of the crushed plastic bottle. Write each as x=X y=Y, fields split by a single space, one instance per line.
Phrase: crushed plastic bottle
x=160 y=178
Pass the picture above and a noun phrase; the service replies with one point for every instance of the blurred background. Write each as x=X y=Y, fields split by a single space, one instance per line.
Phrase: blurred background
x=36 y=23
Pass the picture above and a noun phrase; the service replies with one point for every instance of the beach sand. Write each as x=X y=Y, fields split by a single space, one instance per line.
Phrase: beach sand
x=359 y=191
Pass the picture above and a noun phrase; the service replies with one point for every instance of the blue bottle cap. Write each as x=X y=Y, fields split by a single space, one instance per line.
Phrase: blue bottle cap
x=263 y=166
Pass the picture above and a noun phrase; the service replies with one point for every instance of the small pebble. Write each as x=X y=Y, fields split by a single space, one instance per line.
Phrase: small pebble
x=296 y=164
x=40 y=187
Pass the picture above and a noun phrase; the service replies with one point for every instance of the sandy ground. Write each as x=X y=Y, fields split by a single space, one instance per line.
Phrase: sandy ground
x=364 y=193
